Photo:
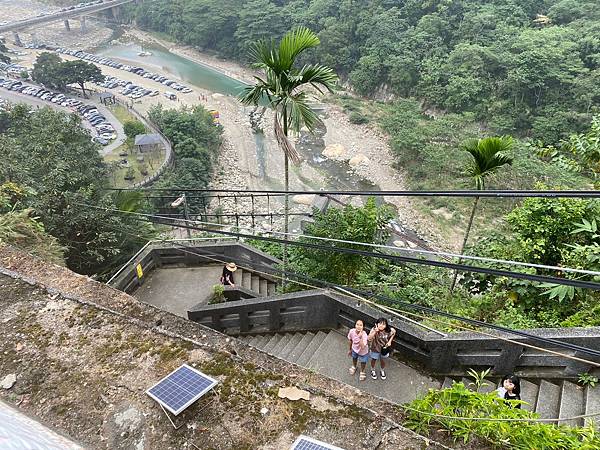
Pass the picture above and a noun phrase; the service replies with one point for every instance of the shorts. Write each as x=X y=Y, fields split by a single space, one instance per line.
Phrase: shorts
x=377 y=355
x=362 y=358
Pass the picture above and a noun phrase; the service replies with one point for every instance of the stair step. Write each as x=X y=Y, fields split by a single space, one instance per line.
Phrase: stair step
x=571 y=403
x=322 y=354
x=246 y=279
x=302 y=345
x=254 y=283
x=447 y=383
x=592 y=404
x=262 y=287
x=252 y=340
x=548 y=400
x=271 y=287
x=272 y=342
x=305 y=356
x=291 y=345
x=276 y=349
x=264 y=339
x=529 y=394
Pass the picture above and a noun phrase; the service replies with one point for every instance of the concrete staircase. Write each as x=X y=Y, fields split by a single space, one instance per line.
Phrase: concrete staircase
x=550 y=398
x=326 y=352
x=254 y=282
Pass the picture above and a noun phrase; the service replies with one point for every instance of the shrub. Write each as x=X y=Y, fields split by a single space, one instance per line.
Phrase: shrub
x=218 y=294
x=358 y=118
x=458 y=401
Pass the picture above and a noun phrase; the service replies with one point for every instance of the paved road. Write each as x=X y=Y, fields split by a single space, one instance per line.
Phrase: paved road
x=16 y=97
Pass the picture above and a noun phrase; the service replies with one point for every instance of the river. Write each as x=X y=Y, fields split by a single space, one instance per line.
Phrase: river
x=336 y=173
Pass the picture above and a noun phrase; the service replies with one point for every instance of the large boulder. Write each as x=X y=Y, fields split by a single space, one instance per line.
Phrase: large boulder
x=334 y=151
x=358 y=160
x=304 y=199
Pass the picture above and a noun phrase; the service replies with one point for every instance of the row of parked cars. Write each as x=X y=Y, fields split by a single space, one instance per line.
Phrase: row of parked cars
x=133 y=69
x=127 y=88
x=105 y=130
x=81 y=5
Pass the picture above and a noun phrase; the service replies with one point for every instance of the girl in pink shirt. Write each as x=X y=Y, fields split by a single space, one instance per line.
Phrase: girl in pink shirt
x=359 y=350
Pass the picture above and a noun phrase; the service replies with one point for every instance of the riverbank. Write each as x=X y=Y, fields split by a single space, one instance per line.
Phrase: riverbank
x=366 y=150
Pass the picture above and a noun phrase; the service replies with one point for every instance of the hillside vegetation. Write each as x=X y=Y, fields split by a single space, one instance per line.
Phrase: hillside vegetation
x=530 y=67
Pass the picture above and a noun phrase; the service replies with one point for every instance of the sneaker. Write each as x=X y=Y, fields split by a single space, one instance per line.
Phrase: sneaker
x=352 y=370
x=373 y=374
x=382 y=372
x=362 y=376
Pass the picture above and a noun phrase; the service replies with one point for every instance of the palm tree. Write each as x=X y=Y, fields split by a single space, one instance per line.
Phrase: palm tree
x=286 y=89
x=487 y=156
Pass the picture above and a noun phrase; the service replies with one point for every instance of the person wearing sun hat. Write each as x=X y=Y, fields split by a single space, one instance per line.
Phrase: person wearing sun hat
x=227 y=276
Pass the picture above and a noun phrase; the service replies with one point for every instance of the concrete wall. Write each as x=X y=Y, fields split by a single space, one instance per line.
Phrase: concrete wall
x=321 y=309
x=438 y=355
x=188 y=253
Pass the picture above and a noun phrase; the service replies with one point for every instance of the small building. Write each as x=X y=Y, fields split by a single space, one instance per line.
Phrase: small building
x=107 y=98
x=145 y=143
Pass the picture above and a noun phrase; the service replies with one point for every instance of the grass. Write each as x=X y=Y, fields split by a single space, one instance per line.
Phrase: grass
x=152 y=160
x=121 y=113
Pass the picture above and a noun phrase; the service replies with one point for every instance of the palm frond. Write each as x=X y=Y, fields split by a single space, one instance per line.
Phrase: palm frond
x=294 y=43
x=317 y=76
x=300 y=113
x=488 y=155
x=288 y=149
x=251 y=95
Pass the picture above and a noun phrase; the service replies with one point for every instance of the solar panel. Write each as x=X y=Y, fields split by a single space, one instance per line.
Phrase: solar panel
x=306 y=443
x=181 y=388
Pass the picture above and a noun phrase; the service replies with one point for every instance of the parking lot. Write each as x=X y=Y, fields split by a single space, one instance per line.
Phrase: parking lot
x=93 y=117
x=127 y=88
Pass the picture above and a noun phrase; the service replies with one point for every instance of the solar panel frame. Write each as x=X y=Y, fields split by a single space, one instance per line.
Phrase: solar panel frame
x=303 y=442
x=170 y=387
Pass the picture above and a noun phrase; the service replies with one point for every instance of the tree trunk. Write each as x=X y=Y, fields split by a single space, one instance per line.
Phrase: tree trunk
x=462 y=249
x=286 y=207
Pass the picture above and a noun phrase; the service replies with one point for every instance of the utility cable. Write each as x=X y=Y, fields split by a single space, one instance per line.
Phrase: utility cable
x=347 y=289
x=477 y=331
x=497 y=193
x=448 y=265
x=405 y=304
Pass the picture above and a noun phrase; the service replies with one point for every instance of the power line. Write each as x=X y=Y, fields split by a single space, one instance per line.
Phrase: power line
x=270 y=270
x=406 y=259
x=407 y=193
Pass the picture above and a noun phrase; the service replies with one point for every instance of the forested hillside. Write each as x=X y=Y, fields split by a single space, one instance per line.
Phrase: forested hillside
x=528 y=67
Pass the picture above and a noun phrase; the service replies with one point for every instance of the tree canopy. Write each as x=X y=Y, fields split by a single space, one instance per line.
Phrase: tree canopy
x=48 y=154
x=55 y=73
x=529 y=67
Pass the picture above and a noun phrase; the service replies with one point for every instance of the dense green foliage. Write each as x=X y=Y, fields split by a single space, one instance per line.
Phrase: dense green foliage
x=3 y=56
x=366 y=224
x=458 y=401
x=196 y=141
x=519 y=65
x=132 y=128
x=48 y=154
x=20 y=228
x=55 y=73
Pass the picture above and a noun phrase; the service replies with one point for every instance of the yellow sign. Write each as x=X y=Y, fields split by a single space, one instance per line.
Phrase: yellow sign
x=140 y=272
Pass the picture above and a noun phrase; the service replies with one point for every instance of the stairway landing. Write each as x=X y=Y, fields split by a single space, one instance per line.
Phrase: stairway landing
x=327 y=354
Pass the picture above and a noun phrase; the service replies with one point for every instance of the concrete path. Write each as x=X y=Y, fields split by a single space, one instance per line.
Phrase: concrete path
x=179 y=288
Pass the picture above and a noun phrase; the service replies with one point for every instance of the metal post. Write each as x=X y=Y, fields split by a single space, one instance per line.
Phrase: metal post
x=185 y=215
